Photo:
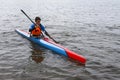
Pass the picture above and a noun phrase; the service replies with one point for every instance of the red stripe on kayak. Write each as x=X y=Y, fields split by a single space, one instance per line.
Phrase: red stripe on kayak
x=50 y=41
x=70 y=54
x=75 y=56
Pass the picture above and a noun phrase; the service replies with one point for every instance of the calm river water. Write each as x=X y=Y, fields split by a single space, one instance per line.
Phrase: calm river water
x=88 y=27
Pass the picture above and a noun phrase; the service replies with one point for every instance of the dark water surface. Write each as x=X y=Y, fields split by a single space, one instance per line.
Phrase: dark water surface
x=89 y=27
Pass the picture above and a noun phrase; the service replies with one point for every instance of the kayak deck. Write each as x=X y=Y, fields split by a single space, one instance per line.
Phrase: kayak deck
x=49 y=44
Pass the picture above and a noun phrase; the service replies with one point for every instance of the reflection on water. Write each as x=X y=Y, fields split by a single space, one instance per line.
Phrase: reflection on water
x=37 y=53
x=37 y=56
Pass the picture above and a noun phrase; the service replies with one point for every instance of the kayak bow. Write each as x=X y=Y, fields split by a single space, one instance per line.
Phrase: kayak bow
x=49 y=44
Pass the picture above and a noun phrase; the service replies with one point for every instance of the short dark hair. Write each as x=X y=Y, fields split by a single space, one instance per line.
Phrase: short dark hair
x=37 y=18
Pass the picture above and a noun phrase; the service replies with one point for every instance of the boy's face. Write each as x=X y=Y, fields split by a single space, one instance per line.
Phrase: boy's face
x=38 y=21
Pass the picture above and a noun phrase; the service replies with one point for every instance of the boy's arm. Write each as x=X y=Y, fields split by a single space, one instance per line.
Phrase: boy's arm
x=31 y=27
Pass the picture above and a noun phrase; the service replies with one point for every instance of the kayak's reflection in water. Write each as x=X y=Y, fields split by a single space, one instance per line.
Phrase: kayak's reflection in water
x=37 y=57
x=37 y=53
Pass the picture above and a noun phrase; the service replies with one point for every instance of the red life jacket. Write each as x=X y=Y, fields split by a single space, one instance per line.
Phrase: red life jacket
x=37 y=31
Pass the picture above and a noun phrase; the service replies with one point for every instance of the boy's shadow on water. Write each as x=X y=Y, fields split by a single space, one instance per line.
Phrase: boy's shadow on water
x=37 y=53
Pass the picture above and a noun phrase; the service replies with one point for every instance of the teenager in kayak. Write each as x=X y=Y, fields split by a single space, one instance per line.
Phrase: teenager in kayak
x=37 y=28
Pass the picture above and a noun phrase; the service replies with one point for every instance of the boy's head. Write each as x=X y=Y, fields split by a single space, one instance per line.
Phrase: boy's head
x=37 y=20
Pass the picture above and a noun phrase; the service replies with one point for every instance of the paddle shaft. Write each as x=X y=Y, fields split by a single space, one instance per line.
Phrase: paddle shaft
x=50 y=36
x=35 y=24
x=28 y=17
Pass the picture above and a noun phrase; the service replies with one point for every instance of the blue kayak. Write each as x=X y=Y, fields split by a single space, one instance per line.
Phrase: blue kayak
x=49 y=44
